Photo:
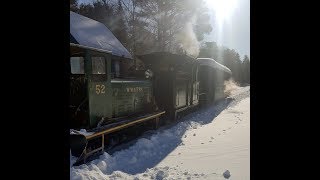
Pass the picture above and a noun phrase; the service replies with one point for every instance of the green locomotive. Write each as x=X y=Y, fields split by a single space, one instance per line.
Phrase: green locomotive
x=105 y=94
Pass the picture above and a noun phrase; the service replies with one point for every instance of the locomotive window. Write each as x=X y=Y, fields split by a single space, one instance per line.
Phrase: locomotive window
x=98 y=65
x=77 y=65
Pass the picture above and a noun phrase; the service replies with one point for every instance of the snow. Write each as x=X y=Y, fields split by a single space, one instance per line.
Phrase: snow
x=94 y=34
x=213 y=63
x=82 y=131
x=203 y=145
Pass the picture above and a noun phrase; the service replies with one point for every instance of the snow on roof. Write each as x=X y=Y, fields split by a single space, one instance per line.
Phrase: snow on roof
x=166 y=56
x=211 y=62
x=91 y=33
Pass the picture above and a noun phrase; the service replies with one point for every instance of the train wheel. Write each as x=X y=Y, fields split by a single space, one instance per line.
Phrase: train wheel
x=114 y=141
x=78 y=144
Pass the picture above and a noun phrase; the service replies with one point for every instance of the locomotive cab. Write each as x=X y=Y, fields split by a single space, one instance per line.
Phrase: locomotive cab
x=90 y=75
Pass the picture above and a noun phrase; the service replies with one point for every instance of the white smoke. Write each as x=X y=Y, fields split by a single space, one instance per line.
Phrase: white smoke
x=187 y=39
x=230 y=86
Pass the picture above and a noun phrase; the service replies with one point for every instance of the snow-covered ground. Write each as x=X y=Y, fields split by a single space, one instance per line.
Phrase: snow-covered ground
x=203 y=145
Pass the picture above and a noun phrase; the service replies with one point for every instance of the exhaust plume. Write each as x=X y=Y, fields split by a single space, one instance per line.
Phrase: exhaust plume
x=187 y=39
x=229 y=86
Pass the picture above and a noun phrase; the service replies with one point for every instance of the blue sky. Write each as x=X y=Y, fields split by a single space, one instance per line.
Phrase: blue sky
x=234 y=33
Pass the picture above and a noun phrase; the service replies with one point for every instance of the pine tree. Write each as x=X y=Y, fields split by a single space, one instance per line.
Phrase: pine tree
x=120 y=28
x=246 y=69
x=74 y=5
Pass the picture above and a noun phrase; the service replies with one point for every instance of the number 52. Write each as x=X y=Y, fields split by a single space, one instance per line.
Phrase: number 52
x=100 y=89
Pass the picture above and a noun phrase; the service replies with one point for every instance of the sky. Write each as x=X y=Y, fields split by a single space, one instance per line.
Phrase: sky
x=233 y=32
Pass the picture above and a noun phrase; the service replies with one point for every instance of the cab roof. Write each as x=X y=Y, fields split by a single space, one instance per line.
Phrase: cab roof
x=95 y=35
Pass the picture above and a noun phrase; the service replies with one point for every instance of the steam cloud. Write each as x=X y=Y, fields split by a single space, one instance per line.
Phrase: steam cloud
x=230 y=86
x=187 y=39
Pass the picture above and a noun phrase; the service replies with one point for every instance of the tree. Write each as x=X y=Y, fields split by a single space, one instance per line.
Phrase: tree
x=130 y=17
x=169 y=23
x=246 y=69
x=231 y=59
x=228 y=57
x=210 y=50
x=74 y=5
x=145 y=26
x=202 y=24
x=120 y=28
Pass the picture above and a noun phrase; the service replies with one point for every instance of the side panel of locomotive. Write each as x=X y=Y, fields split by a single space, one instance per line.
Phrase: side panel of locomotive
x=130 y=97
x=99 y=96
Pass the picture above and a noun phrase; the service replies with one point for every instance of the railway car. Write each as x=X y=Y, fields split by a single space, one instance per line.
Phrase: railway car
x=105 y=97
x=212 y=76
x=176 y=84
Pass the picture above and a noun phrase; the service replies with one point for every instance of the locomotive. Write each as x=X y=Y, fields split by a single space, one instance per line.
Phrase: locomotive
x=109 y=95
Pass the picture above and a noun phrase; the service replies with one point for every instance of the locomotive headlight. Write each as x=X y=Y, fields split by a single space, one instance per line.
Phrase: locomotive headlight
x=148 y=73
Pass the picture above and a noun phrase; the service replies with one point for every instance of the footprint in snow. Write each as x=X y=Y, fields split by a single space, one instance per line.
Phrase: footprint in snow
x=224 y=130
x=202 y=143
x=210 y=141
x=212 y=138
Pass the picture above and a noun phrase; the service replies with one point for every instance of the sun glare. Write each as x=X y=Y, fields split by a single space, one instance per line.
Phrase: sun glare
x=223 y=9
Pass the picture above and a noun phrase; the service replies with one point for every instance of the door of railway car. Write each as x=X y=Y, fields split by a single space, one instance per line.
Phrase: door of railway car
x=195 y=86
x=182 y=90
x=207 y=84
